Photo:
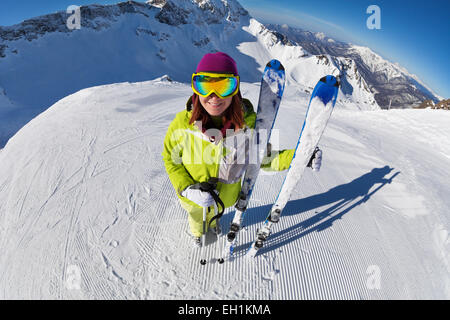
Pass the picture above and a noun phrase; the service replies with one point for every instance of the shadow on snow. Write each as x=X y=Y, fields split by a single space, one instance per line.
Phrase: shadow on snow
x=343 y=198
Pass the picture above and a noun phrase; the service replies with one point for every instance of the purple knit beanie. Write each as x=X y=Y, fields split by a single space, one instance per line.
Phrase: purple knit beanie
x=218 y=62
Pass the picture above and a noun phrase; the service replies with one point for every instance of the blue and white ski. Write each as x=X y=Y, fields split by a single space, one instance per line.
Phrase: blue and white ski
x=319 y=110
x=272 y=87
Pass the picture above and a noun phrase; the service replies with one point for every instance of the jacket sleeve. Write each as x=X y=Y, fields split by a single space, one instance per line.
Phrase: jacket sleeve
x=278 y=160
x=172 y=153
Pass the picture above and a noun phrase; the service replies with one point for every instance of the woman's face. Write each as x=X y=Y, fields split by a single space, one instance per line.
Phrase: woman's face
x=214 y=105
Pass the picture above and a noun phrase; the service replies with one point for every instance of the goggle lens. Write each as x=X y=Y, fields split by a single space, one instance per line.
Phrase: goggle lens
x=223 y=86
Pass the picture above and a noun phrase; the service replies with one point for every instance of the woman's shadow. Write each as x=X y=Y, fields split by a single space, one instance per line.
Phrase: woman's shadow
x=344 y=198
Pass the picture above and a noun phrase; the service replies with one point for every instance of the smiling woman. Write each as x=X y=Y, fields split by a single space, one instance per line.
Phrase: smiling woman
x=213 y=131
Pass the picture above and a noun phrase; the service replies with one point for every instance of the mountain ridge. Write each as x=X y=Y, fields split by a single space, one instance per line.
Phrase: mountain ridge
x=391 y=84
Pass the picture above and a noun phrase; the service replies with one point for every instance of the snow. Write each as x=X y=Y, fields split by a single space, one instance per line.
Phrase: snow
x=87 y=210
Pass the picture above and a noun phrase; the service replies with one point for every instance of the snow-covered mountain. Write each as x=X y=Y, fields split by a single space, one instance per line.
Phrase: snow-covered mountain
x=302 y=67
x=42 y=60
x=134 y=41
x=391 y=84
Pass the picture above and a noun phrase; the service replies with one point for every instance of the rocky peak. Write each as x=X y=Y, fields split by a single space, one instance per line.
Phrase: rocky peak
x=198 y=11
x=426 y=104
x=92 y=16
x=444 y=104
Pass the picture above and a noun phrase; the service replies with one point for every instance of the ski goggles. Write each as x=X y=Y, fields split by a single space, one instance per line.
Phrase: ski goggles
x=223 y=85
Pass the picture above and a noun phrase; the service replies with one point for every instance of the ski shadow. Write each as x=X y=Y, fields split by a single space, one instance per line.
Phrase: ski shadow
x=344 y=198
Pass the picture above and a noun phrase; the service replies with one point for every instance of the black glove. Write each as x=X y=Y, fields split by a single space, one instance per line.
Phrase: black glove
x=316 y=160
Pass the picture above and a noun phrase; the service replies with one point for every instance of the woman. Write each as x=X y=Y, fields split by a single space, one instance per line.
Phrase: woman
x=206 y=140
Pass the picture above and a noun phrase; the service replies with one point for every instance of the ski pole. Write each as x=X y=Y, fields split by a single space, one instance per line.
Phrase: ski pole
x=203 y=250
x=218 y=247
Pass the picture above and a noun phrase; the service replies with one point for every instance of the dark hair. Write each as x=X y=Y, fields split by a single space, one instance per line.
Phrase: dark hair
x=234 y=113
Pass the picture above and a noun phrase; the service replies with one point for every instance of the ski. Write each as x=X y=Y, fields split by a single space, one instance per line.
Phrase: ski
x=319 y=110
x=271 y=91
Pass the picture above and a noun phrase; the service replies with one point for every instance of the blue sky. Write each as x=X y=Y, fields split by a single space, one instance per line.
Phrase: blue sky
x=414 y=33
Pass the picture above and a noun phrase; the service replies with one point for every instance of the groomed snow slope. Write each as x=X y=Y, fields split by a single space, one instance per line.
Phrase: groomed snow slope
x=87 y=210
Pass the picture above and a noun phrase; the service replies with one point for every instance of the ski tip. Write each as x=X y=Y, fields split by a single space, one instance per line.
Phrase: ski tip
x=331 y=81
x=275 y=64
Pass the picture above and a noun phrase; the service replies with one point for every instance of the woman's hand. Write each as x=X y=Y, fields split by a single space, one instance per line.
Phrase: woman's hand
x=202 y=198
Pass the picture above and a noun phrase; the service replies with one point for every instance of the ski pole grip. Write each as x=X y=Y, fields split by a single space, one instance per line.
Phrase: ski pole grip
x=210 y=186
